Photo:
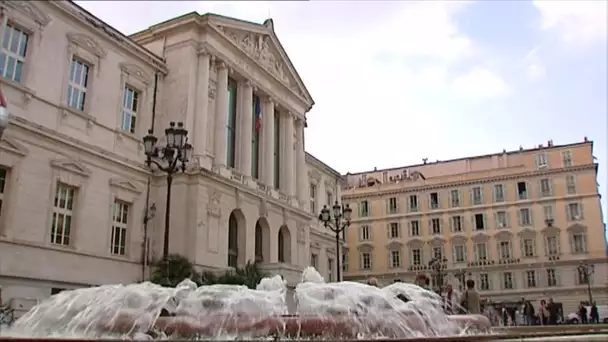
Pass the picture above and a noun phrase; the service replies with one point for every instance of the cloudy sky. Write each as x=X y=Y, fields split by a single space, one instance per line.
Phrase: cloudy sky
x=395 y=82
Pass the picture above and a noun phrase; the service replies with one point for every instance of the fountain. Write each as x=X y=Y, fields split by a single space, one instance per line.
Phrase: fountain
x=327 y=311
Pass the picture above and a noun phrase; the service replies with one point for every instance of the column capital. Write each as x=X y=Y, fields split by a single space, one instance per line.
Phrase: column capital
x=220 y=65
x=203 y=50
x=268 y=99
x=247 y=83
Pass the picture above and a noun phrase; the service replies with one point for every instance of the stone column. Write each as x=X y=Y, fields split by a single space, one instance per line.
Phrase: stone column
x=288 y=162
x=246 y=121
x=268 y=139
x=221 y=115
x=192 y=91
x=301 y=172
x=201 y=116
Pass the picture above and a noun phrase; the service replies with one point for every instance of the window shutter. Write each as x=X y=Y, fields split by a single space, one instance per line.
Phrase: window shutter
x=450 y=199
x=499 y=250
x=454 y=254
x=428 y=201
x=520 y=217
x=360 y=233
x=507 y=219
x=571 y=240
x=471 y=196
x=388 y=230
x=522 y=247
x=475 y=252
x=451 y=223
x=430 y=227
x=494 y=192
x=360 y=209
x=546 y=239
x=496 y=220
x=465 y=252
x=409 y=228
x=580 y=210
x=485 y=221
x=568 y=213
x=399 y=229
x=531 y=216
x=505 y=194
x=371 y=233
x=390 y=260
x=388 y=206
x=473 y=226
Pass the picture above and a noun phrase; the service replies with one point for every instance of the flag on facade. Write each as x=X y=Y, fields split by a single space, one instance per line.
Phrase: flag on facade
x=258 y=113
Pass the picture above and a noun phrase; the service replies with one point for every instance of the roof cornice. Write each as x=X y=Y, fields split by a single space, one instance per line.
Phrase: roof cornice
x=453 y=184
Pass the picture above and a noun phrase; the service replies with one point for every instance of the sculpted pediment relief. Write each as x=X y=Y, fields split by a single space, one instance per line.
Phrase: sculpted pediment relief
x=504 y=235
x=87 y=43
x=437 y=241
x=266 y=49
x=70 y=165
x=125 y=185
x=577 y=228
x=135 y=71
x=31 y=11
x=550 y=230
x=480 y=237
x=459 y=239
x=11 y=144
x=415 y=242
x=527 y=232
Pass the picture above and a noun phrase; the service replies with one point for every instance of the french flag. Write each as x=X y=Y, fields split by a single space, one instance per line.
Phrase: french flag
x=257 y=109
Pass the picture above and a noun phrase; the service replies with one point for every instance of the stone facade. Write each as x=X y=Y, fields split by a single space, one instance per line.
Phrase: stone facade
x=519 y=223
x=76 y=194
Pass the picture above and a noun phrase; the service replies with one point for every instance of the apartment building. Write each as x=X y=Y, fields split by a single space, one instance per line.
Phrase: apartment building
x=519 y=223
x=76 y=196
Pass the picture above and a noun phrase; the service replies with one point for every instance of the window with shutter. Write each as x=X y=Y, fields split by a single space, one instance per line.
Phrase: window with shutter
x=570 y=184
x=455 y=198
x=546 y=188
x=567 y=158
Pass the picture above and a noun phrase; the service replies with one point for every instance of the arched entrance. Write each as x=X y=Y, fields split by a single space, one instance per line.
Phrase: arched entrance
x=236 y=238
x=284 y=244
x=262 y=240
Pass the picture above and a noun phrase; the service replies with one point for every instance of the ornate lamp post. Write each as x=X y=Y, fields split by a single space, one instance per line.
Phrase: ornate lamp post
x=586 y=271
x=171 y=158
x=337 y=224
x=437 y=264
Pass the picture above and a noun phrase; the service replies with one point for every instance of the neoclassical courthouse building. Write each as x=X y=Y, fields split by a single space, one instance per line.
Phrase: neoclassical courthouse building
x=75 y=191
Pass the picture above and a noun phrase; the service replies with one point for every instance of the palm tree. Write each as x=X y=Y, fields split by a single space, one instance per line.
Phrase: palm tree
x=249 y=275
x=172 y=270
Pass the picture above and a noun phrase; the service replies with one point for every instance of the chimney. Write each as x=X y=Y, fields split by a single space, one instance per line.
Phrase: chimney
x=550 y=143
x=586 y=139
x=521 y=148
x=424 y=160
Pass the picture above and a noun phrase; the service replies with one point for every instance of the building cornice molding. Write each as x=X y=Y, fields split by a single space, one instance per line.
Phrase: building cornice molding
x=126 y=44
x=456 y=184
x=47 y=133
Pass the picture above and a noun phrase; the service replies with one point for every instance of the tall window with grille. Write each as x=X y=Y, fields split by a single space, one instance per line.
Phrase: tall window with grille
x=546 y=187
x=313 y=198
x=14 y=49
x=3 y=178
x=395 y=258
x=551 y=277
x=416 y=257
x=570 y=184
x=530 y=277
x=484 y=282
x=481 y=251
x=120 y=222
x=552 y=246
x=130 y=106
x=392 y=205
x=567 y=158
x=78 y=83
x=507 y=281
x=499 y=193
x=63 y=211
x=476 y=195
x=455 y=198
x=366 y=260
x=529 y=247
x=504 y=250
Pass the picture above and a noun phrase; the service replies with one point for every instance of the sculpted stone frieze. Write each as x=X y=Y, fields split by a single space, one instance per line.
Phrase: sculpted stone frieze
x=259 y=47
x=31 y=11
x=87 y=43
x=214 y=205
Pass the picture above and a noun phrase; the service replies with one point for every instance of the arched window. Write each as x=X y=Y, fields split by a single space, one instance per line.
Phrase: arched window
x=233 y=250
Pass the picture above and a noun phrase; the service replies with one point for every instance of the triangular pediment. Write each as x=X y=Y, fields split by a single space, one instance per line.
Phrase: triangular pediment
x=261 y=44
x=125 y=184
x=8 y=143
x=71 y=165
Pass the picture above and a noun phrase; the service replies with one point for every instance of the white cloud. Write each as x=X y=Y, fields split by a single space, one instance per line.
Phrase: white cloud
x=576 y=21
x=480 y=84
x=374 y=69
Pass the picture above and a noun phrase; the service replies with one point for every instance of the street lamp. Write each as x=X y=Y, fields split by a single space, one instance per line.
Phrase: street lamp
x=171 y=158
x=337 y=224
x=437 y=264
x=586 y=271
